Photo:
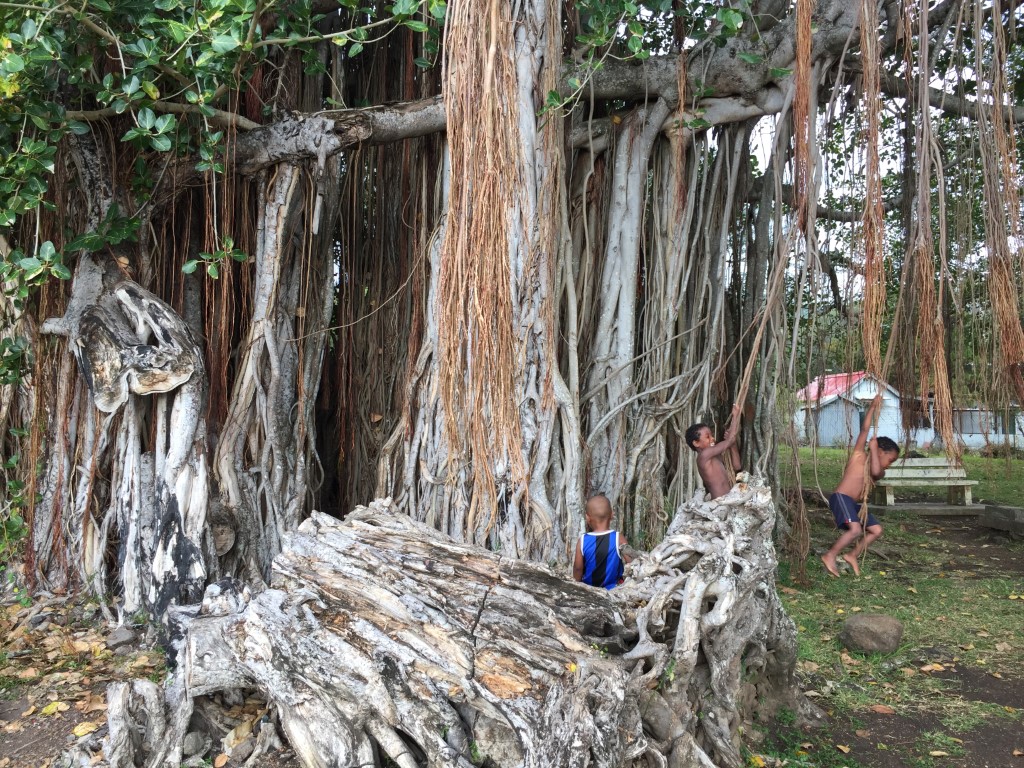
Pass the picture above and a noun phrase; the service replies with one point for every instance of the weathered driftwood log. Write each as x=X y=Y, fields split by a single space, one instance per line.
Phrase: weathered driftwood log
x=382 y=640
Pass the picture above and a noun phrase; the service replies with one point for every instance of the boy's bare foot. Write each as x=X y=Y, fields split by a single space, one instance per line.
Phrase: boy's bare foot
x=830 y=565
x=852 y=560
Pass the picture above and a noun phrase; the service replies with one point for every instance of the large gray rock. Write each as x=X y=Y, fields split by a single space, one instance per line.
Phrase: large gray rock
x=120 y=637
x=871 y=633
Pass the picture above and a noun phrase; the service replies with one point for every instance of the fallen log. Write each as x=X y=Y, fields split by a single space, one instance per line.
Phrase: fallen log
x=382 y=642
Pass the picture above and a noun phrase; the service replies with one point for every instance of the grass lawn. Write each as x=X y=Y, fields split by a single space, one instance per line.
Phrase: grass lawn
x=952 y=695
x=1000 y=481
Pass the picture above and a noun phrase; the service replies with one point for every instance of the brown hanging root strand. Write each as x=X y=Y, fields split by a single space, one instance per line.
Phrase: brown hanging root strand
x=476 y=340
x=802 y=116
x=873 y=218
x=1001 y=191
x=930 y=336
x=873 y=232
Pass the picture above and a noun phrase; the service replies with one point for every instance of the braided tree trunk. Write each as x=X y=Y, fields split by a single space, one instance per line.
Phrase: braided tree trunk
x=380 y=639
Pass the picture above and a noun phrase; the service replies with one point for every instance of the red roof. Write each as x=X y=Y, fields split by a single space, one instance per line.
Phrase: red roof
x=829 y=386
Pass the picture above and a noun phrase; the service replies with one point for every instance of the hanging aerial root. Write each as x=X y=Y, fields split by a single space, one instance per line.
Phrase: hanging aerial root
x=477 y=341
x=872 y=233
x=802 y=109
x=381 y=639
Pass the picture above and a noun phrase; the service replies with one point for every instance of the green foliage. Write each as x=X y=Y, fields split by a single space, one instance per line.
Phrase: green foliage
x=474 y=754
x=165 y=70
x=668 y=675
x=213 y=262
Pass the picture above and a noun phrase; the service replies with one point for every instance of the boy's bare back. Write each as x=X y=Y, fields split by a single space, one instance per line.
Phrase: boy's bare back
x=714 y=474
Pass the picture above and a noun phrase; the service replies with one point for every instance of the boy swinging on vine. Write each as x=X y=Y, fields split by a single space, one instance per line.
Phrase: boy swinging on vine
x=845 y=502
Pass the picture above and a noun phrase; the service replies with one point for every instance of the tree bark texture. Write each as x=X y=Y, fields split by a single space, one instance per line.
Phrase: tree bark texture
x=381 y=639
x=325 y=370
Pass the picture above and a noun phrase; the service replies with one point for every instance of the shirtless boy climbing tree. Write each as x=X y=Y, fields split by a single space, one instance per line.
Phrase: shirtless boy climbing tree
x=846 y=501
x=717 y=478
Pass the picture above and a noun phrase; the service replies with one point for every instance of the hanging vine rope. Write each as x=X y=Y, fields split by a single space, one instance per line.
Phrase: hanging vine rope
x=872 y=222
x=476 y=338
x=802 y=117
x=930 y=333
x=1002 y=193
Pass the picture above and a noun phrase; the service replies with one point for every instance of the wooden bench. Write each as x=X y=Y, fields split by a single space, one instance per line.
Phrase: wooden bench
x=934 y=472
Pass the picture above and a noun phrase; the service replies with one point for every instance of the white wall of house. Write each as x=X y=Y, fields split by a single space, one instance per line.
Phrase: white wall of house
x=836 y=422
x=978 y=428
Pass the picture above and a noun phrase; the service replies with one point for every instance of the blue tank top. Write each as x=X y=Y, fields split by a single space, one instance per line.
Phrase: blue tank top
x=602 y=565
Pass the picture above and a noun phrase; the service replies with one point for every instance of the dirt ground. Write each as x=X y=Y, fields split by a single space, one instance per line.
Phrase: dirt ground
x=901 y=739
x=56 y=660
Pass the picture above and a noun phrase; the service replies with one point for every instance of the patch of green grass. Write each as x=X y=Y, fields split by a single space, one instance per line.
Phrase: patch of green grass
x=936 y=745
x=786 y=745
x=8 y=686
x=964 y=719
x=789 y=746
x=951 y=617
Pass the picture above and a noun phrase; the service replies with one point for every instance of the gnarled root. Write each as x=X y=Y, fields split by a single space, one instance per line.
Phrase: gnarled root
x=380 y=638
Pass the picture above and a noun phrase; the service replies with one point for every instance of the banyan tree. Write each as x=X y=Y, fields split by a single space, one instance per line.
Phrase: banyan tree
x=265 y=263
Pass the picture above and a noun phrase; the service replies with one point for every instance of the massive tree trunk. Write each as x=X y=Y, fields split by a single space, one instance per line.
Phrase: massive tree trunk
x=381 y=639
x=543 y=335
x=494 y=451
x=530 y=307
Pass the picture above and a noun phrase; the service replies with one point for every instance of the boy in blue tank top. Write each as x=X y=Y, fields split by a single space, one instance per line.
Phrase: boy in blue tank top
x=599 y=558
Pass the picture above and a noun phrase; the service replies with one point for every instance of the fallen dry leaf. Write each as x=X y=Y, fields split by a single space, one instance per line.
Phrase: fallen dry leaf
x=843 y=748
x=220 y=760
x=790 y=590
x=908 y=671
x=29 y=712
x=85 y=728
x=882 y=709
x=862 y=733
x=54 y=707
x=938 y=753
x=238 y=734
x=911 y=589
x=1017 y=753
x=849 y=660
x=996 y=675
x=1004 y=647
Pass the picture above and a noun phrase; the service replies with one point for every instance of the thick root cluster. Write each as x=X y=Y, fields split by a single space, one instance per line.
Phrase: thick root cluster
x=381 y=641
